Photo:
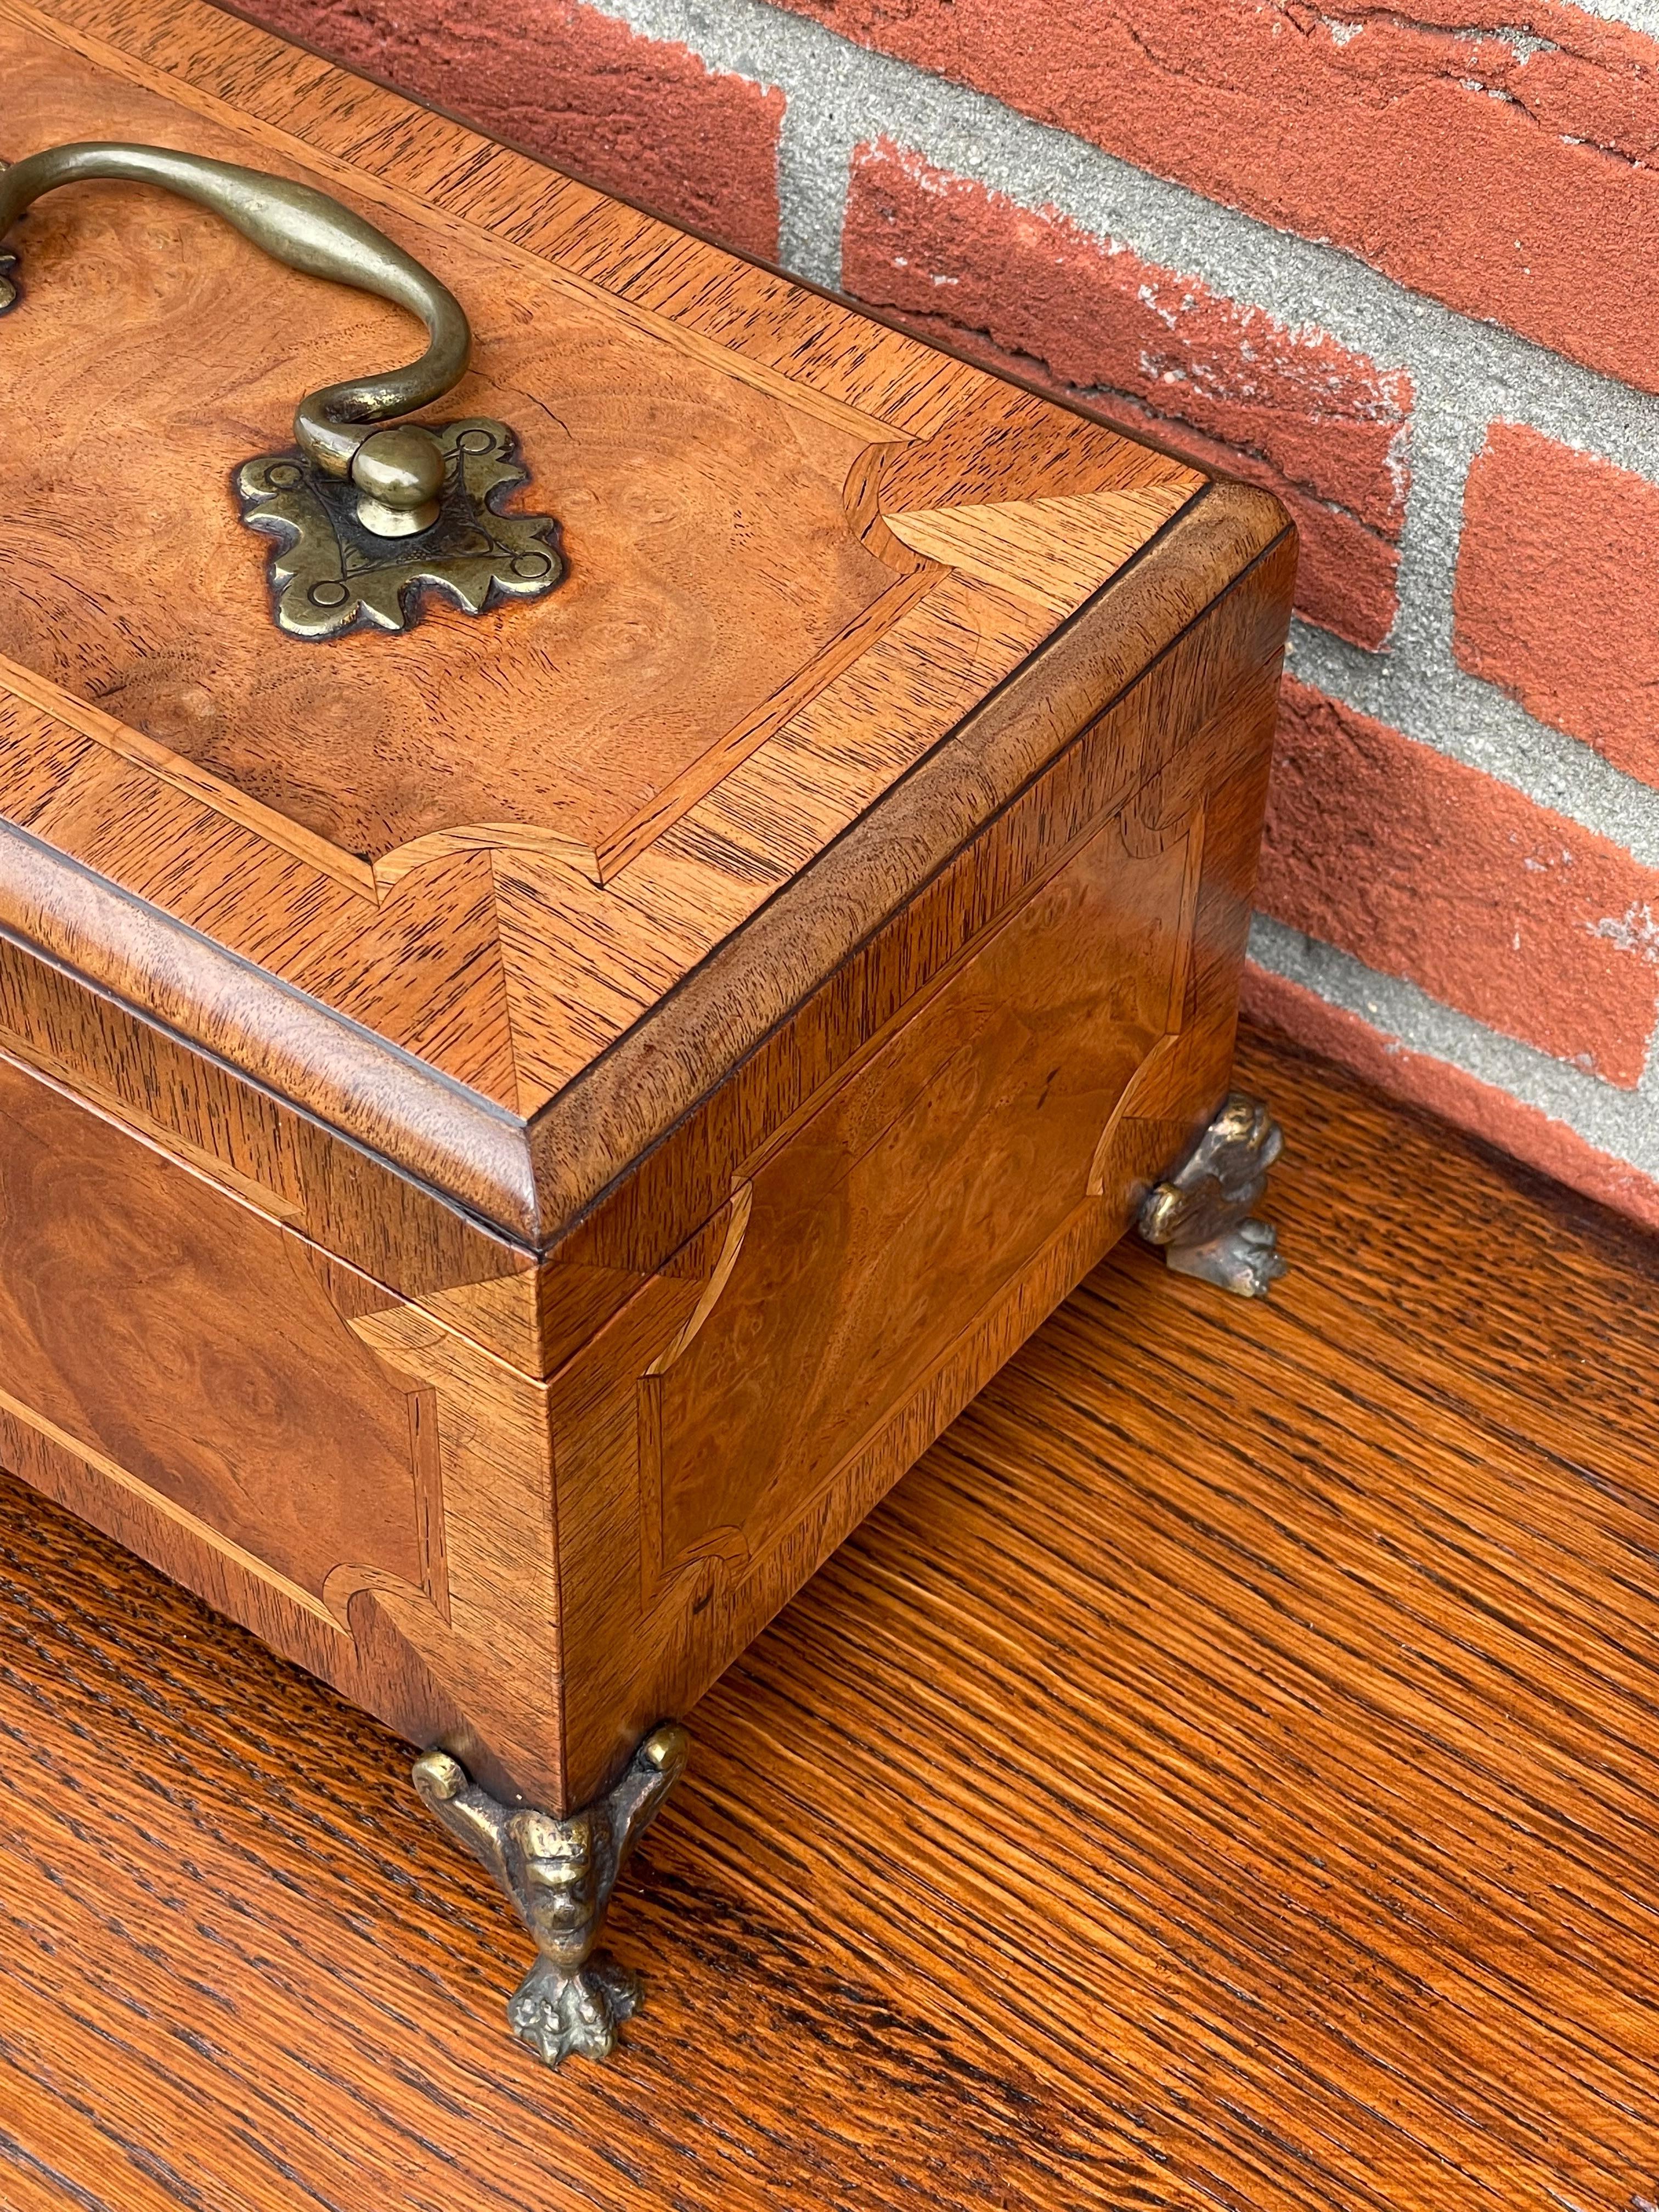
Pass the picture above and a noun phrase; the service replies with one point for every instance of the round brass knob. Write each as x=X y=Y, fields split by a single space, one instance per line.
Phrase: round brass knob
x=399 y=476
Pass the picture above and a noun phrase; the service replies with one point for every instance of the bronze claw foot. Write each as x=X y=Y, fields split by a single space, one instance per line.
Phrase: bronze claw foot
x=558 y=1876
x=553 y=2013
x=1201 y=1215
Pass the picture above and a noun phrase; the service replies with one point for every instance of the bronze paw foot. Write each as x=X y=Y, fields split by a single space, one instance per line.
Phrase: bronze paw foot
x=558 y=1876
x=1203 y=1213
x=553 y=2013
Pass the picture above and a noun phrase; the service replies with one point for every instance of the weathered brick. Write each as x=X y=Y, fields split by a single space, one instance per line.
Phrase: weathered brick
x=1498 y=155
x=1273 y=1002
x=1557 y=591
x=639 y=117
x=1218 y=380
x=1427 y=869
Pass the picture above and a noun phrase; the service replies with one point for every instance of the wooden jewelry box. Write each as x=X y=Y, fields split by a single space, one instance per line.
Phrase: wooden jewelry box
x=573 y=981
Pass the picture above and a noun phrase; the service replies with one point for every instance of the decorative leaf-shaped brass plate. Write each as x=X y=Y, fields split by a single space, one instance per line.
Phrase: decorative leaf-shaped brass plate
x=331 y=574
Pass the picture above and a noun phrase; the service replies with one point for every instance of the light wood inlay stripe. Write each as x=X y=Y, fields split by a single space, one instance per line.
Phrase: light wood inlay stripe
x=1052 y=553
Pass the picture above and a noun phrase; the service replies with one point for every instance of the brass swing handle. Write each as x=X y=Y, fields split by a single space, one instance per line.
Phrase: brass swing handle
x=398 y=473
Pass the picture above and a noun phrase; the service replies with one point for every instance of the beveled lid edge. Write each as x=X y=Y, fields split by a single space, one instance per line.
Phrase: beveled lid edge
x=417 y=1120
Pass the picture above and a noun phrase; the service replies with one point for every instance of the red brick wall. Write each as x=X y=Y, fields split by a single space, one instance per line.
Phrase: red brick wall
x=1312 y=421
x=1432 y=870
x=1490 y=154
x=1396 y=266
x=1558 y=590
x=641 y=117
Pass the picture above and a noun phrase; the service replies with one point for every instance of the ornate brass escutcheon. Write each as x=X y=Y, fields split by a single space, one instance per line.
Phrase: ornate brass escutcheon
x=370 y=513
x=332 y=571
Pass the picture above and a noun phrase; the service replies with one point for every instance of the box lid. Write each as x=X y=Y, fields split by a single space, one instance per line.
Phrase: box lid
x=500 y=895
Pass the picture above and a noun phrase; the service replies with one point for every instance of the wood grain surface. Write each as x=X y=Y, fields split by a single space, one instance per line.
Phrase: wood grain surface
x=1222 y=1775
x=186 y=1347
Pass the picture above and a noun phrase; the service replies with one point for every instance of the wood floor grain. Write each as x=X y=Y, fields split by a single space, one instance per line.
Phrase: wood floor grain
x=1225 y=1774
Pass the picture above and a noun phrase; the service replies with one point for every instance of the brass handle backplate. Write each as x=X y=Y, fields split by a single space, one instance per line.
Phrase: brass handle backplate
x=368 y=514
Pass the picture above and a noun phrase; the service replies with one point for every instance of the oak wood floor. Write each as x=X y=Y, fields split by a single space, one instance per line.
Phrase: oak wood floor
x=1225 y=1774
